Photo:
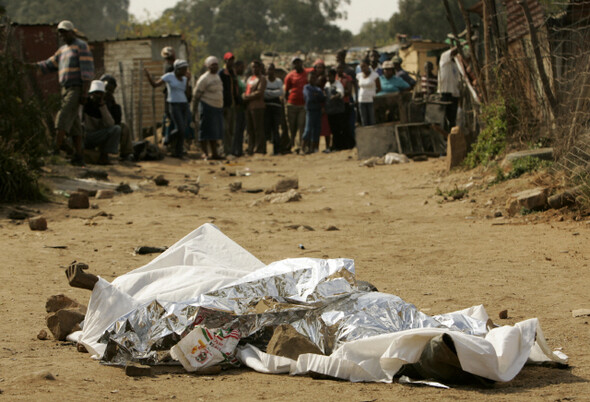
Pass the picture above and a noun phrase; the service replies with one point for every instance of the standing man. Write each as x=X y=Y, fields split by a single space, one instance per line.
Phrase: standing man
x=448 y=80
x=75 y=66
x=230 y=94
x=294 y=83
x=346 y=75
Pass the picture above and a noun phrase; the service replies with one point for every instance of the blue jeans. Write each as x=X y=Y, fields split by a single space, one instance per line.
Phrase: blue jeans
x=180 y=114
x=367 y=113
x=313 y=125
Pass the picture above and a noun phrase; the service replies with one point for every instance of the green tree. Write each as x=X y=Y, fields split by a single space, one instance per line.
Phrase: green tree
x=426 y=18
x=96 y=19
x=373 y=33
x=168 y=23
x=287 y=25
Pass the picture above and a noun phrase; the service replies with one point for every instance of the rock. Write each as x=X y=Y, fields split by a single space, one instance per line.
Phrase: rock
x=138 y=370
x=81 y=348
x=565 y=199
x=541 y=153
x=498 y=214
x=94 y=206
x=38 y=223
x=42 y=335
x=193 y=188
x=105 y=194
x=78 y=200
x=456 y=148
x=581 y=312
x=64 y=322
x=161 y=181
x=503 y=314
x=529 y=199
x=124 y=188
x=252 y=190
x=331 y=228
x=18 y=215
x=420 y=158
x=59 y=302
x=235 y=186
x=149 y=250
x=284 y=185
x=287 y=342
x=366 y=286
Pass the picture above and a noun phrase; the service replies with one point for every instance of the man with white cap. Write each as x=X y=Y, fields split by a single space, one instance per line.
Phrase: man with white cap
x=208 y=103
x=100 y=127
x=75 y=66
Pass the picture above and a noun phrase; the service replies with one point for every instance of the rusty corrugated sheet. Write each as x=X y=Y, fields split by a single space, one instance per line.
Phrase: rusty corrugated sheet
x=516 y=24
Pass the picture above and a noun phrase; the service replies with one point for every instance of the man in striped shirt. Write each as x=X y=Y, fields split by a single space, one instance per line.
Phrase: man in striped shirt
x=75 y=66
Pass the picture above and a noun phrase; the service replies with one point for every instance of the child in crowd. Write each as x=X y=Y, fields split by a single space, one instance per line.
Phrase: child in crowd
x=314 y=98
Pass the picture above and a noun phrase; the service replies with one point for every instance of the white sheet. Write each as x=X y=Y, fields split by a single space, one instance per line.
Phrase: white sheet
x=206 y=260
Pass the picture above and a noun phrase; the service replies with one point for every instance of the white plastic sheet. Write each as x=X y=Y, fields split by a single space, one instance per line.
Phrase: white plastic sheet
x=207 y=261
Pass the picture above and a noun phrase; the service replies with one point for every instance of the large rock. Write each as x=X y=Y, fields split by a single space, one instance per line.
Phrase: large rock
x=64 y=322
x=456 y=148
x=533 y=199
x=38 y=223
x=541 y=153
x=284 y=185
x=78 y=200
x=59 y=302
x=287 y=342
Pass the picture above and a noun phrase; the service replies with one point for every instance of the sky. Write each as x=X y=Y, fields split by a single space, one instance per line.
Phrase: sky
x=358 y=11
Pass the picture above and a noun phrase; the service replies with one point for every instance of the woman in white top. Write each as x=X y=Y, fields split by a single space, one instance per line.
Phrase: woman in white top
x=369 y=85
x=178 y=92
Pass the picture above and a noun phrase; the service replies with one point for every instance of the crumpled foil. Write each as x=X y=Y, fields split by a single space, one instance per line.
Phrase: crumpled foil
x=320 y=300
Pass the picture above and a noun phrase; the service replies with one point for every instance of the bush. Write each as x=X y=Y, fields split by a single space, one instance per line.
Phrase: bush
x=492 y=139
x=23 y=135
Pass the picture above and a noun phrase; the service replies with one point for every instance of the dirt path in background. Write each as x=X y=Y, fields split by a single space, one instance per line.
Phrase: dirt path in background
x=440 y=256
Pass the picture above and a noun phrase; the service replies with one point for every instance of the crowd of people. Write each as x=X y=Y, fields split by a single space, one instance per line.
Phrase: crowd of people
x=290 y=114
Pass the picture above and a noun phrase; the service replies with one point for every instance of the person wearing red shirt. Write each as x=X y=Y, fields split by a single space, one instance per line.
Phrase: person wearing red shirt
x=294 y=83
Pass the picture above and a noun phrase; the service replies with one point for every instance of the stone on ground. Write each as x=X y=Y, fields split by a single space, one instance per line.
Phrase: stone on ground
x=105 y=194
x=78 y=200
x=533 y=199
x=287 y=342
x=38 y=223
x=284 y=185
x=64 y=322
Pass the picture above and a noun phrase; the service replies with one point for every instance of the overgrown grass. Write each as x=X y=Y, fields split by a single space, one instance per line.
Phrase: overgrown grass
x=491 y=141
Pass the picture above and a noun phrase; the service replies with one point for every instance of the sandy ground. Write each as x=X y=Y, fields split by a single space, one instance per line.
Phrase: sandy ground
x=440 y=256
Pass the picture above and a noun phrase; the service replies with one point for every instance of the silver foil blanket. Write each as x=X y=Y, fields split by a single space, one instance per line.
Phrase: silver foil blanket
x=321 y=301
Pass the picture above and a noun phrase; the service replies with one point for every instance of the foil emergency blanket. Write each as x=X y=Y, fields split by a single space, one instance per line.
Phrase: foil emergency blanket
x=206 y=280
x=319 y=298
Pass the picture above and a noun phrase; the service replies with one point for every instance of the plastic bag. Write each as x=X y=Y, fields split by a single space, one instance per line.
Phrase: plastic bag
x=204 y=347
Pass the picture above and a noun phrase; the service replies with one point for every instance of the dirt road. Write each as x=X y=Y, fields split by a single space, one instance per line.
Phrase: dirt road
x=440 y=256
